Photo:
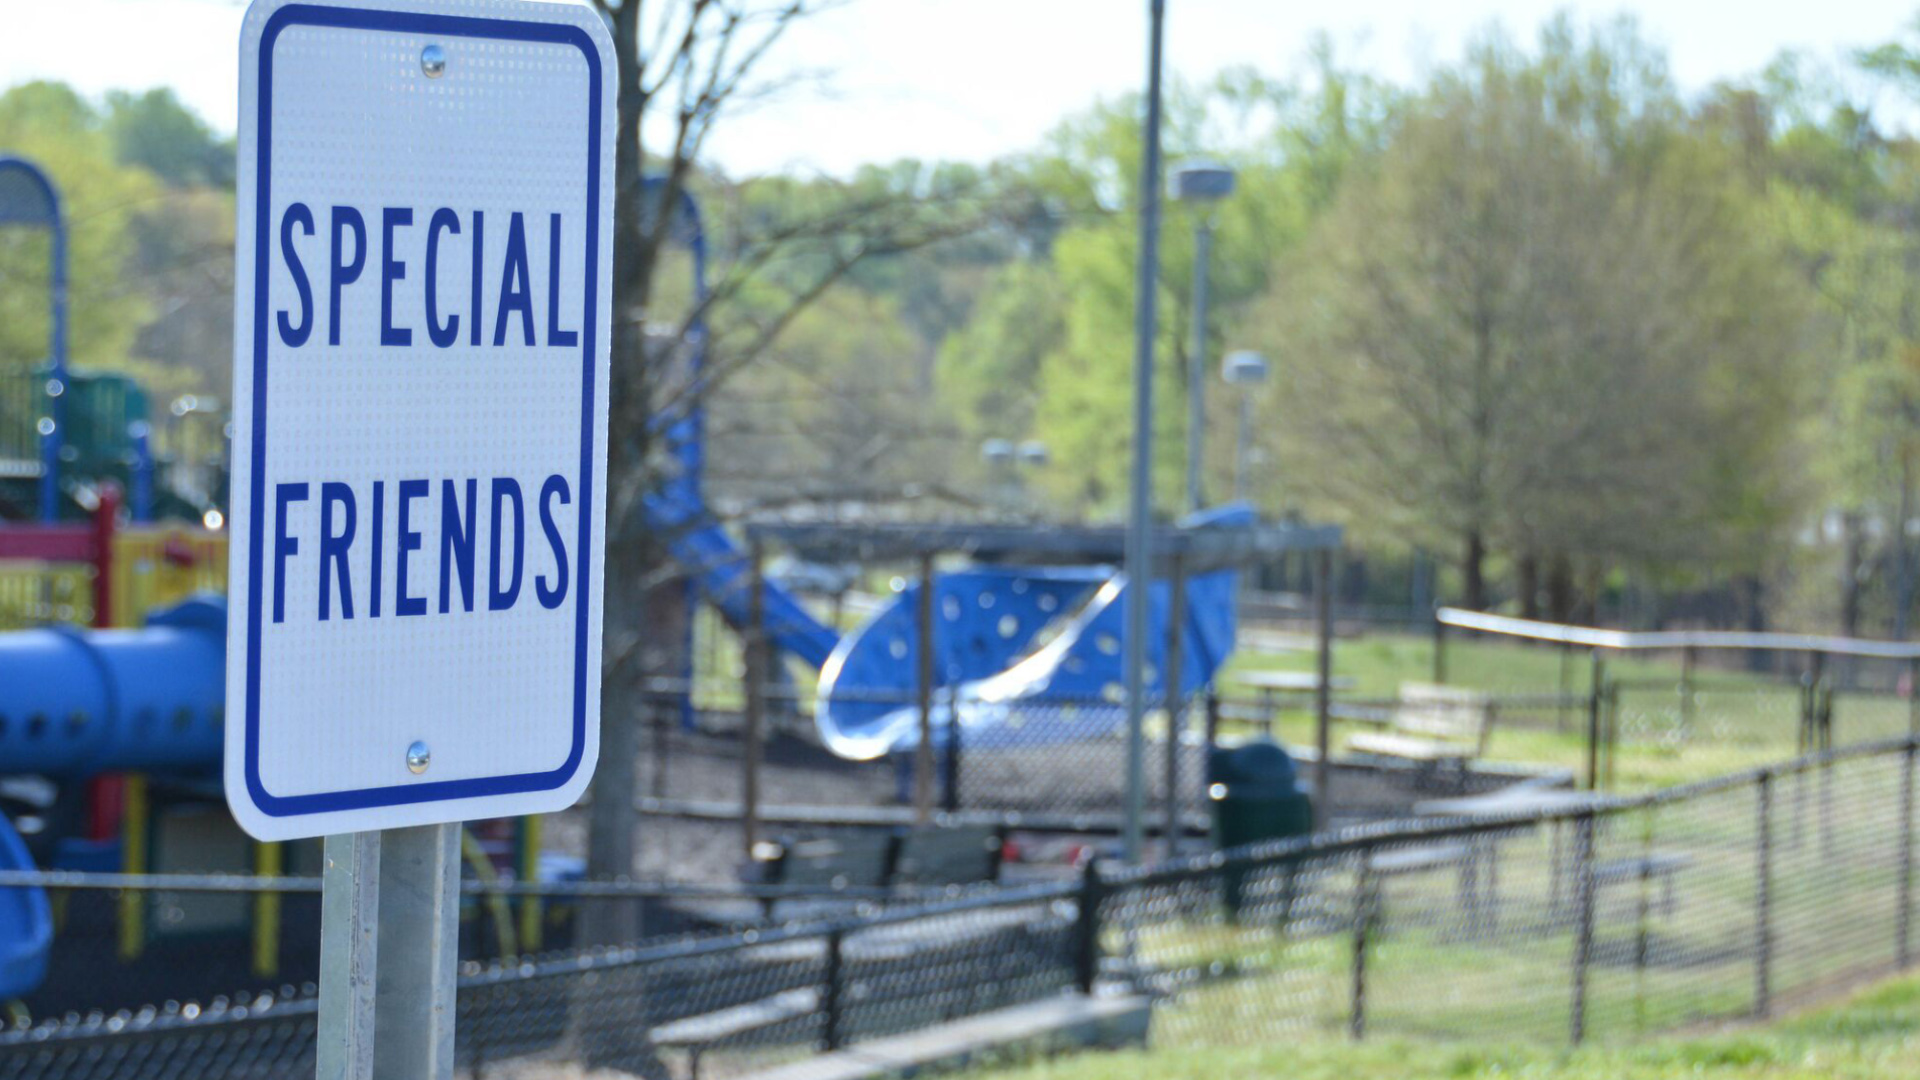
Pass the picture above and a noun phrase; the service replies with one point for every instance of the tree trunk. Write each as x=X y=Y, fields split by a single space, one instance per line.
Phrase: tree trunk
x=1903 y=545
x=624 y=711
x=1560 y=593
x=1854 y=545
x=1527 y=584
x=1754 y=615
x=1473 y=569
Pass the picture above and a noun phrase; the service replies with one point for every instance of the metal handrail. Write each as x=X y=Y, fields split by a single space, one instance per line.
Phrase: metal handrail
x=630 y=890
x=1639 y=641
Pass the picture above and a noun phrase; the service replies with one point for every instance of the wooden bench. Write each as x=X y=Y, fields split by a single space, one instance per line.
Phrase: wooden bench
x=881 y=858
x=987 y=1041
x=697 y=1034
x=950 y=855
x=853 y=858
x=848 y=859
x=1475 y=862
x=1432 y=725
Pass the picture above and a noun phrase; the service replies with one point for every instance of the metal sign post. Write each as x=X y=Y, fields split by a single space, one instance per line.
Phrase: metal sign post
x=386 y=1002
x=423 y=265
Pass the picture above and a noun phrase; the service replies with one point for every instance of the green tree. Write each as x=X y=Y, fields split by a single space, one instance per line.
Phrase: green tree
x=1062 y=329
x=1842 y=189
x=155 y=132
x=1541 y=325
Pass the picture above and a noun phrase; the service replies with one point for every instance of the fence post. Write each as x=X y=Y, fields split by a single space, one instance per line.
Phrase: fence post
x=1903 y=920
x=1913 y=696
x=1172 y=693
x=1364 y=902
x=1566 y=686
x=951 y=763
x=1583 y=922
x=662 y=719
x=1439 y=649
x=756 y=702
x=1643 y=913
x=1823 y=705
x=1612 y=730
x=1212 y=720
x=831 y=1035
x=1687 y=702
x=1763 y=902
x=1810 y=691
x=1086 y=933
x=1323 y=689
x=1825 y=720
x=1596 y=693
x=923 y=698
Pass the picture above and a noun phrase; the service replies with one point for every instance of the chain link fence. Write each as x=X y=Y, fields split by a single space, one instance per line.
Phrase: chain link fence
x=1055 y=767
x=1725 y=900
x=1599 y=918
x=714 y=1003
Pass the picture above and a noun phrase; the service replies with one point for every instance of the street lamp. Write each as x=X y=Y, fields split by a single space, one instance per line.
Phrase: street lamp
x=1202 y=183
x=1005 y=459
x=1139 y=562
x=1246 y=369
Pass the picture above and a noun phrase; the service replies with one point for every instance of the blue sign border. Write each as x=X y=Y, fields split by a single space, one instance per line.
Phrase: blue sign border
x=448 y=26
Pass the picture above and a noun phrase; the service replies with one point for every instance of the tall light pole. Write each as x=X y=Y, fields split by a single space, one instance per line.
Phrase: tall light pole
x=1246 y=369
x=1202 y=183
x=1140 y=497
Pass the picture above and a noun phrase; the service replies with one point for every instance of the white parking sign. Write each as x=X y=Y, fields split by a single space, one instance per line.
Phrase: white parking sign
x=420 y=421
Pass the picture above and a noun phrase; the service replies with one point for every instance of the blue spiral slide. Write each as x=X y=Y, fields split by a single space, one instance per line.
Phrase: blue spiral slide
x=26 y=923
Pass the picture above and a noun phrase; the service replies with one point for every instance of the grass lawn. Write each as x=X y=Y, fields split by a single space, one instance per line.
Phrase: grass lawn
x=1739 y=720
x=1872 y=1036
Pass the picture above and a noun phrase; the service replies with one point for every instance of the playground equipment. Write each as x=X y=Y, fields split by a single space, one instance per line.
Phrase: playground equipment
x=26 y=922
x=106 y=437
x=1032 y=654
x=63 y=432
x=987 y=638
x=1012 y=641
x=80 y=703
x=28 y=198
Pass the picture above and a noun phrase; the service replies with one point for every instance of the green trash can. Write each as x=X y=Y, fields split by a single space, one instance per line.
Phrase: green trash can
x=1255 y=794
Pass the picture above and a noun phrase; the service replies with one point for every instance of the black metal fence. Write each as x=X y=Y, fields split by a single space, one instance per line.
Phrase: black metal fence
x=1684 y=704
x=711 y=1005
x=1055 y=767
x=1600 y=919
x=1711 y=902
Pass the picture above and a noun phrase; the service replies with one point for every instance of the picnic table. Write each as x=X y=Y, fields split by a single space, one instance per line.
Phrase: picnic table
x=1517 y=800
x=1524 y=799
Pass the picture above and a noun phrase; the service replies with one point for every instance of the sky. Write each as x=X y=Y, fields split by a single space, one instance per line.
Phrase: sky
x=975 y=79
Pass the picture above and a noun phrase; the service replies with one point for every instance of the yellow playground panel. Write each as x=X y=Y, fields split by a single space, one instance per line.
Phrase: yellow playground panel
x=154 y=566
x=148 y=566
